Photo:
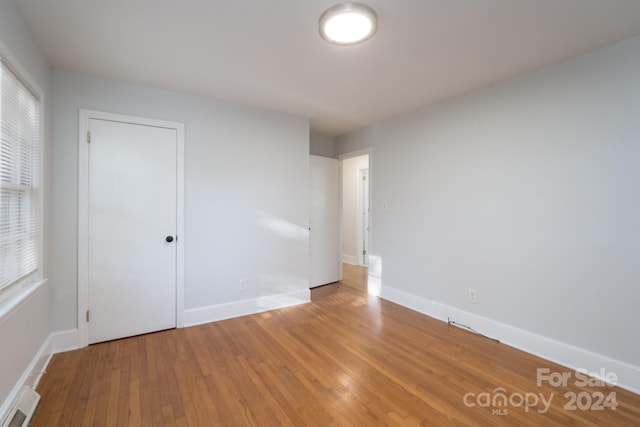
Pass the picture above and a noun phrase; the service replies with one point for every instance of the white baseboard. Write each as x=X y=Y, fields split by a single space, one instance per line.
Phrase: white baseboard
x=30 y=377
x=564 y=354
x=350 y=259
x=213 y=313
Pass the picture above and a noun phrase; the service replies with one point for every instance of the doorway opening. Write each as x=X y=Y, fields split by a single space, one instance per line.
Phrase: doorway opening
x=356 y=227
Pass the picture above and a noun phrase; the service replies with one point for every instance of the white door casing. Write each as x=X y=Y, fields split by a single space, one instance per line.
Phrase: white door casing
x=130 y=279
x=324 y=220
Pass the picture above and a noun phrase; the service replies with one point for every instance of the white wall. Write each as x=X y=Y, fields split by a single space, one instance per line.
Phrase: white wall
x=526 y=191
x=24 y=331
x=246 y=173
x=320 y=145
x=350 y=203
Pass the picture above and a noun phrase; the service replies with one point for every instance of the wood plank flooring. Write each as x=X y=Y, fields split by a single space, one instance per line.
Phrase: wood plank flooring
x=345 y=359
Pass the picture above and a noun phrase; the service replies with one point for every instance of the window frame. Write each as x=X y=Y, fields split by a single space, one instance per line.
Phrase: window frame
x=14 y=294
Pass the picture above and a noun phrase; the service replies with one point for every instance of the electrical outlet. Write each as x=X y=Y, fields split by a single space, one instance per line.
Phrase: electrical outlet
x=243 y=284
x=473 y=296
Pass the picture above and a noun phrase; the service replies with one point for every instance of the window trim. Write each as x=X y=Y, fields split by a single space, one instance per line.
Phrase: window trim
x=15 y=294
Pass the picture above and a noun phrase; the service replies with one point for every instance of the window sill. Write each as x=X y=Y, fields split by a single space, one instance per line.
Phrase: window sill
x=14 y=302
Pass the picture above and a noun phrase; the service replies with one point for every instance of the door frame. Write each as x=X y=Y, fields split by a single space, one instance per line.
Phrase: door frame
x=363 y=212
x=341 y=157
x=85 y=117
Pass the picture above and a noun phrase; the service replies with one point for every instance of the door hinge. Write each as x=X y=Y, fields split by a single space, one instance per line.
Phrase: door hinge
x=87 y=315
x=88 y=137
x=364 y=252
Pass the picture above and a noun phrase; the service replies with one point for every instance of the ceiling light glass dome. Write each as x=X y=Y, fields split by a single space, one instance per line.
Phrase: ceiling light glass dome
x=348 y=24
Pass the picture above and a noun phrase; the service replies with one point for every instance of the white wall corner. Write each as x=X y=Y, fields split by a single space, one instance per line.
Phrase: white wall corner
x=213 y=313
x=555 y=351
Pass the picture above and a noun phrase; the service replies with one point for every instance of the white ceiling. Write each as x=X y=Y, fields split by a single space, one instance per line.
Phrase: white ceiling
x=268 y=53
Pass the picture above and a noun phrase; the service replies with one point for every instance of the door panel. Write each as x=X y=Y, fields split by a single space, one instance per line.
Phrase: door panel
x=324 y=218
x=132 y=209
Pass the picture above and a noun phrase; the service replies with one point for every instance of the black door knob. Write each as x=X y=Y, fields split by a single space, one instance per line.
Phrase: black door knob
x=169 y=239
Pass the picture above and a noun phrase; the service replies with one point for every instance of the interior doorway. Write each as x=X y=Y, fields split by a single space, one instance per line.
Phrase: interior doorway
x=363 y=217
x=356 y=228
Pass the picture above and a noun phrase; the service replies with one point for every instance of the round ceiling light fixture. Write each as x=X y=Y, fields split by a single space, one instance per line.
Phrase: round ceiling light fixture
x=347 y=24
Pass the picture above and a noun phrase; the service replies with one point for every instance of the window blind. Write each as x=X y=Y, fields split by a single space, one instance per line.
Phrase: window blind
x=19 y=179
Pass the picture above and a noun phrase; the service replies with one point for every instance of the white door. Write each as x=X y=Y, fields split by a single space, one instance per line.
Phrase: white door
x=132 y=227
x=324 y=219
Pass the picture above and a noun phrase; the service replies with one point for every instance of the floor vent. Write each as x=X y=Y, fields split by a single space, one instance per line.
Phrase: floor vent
x=20 y=414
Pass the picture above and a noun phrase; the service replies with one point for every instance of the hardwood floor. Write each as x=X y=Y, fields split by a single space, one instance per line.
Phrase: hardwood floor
x=345 y=359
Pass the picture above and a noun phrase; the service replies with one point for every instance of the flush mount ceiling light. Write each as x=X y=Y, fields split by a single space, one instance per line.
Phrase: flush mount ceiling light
x=348 y=24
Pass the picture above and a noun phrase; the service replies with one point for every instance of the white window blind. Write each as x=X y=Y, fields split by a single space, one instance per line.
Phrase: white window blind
x=19 y=179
